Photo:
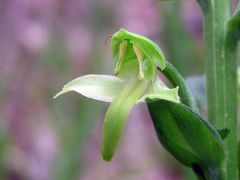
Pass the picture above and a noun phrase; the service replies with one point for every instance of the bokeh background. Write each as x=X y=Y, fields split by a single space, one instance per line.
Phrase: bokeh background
x=45 y=44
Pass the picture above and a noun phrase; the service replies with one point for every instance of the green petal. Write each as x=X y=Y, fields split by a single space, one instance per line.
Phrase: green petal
x=100 y=87
x=166 y=94
x=117 y=115
x=158 y=90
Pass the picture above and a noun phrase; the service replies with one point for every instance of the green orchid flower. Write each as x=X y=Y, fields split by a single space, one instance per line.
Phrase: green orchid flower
x=135 y=79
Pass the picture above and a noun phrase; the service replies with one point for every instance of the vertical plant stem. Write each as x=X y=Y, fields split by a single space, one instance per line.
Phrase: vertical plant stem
x=231 y=107
x=221 y=73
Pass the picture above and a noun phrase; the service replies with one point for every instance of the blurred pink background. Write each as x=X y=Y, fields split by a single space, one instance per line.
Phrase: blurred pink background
x=45 y=44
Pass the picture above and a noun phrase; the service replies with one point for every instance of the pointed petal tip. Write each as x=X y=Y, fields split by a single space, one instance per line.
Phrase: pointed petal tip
x=60 y=93
x=122 y=30
x=106 y=156
x=107 y=159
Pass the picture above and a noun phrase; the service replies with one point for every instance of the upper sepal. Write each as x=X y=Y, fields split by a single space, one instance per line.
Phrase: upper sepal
x=152 y=53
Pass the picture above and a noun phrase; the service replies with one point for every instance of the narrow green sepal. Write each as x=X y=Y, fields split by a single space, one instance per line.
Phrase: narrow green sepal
x=116 y=116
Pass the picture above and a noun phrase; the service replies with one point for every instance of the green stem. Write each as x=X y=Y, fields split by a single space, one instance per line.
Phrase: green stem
x=177 y=80
x=221 y=73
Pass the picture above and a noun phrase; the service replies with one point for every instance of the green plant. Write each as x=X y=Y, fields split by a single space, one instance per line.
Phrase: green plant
x=137 y=59
x=221 y=31
x=209 y=147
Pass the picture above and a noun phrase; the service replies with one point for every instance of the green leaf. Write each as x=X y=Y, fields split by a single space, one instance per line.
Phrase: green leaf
x=117 y=115
x=224 y=133
x=99 y=87
x=188 y=137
